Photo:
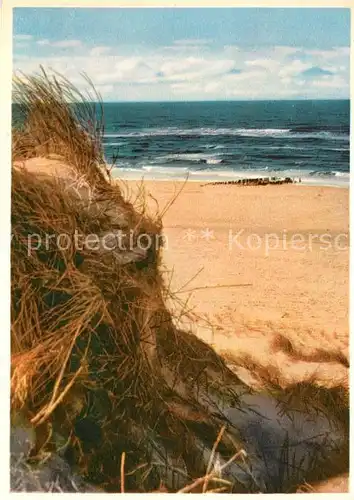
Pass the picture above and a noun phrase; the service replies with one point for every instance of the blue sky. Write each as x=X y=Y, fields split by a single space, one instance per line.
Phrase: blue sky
x=190 y=54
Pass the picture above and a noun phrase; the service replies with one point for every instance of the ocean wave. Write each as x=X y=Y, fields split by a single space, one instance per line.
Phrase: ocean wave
x=261 y=132
x=329 y=173
x=130 y=169
x=337 y=149
x=228 y=174
x=214 y=161
x=342 y=174
x=207 y=158
x=203 y=131
x=213 y=146
x=306 y=147
x=195 y=168
x=320 y=135
x=237 y=132
x=290 y=134
x=330 y=178
x=114 y=143
x=168 y=170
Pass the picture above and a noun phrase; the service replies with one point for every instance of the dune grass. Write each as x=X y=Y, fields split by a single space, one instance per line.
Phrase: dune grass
x=53 y=117
x=89 y=326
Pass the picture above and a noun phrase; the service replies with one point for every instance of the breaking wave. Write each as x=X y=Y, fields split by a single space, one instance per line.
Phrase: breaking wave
x=238 y=132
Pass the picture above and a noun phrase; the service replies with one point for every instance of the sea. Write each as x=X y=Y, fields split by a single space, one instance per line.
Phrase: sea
x=220 y=141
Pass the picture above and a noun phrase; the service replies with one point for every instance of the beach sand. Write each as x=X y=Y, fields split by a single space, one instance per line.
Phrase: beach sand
x=248 y=266
x=260 y=272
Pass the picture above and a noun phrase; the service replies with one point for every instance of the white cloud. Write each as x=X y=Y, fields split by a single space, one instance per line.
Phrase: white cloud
x=25 y=38
x=330 y=82
x=21 y=45
x=208 y=72
x=99 y=51
x=60 y=44
x=19 y=58
x=293 y=68
x=118 y=69
x=43 y=42
x=248 y=76
x=104 y=89
x=192 y=68
x=286 y=80
x=212 y=87
x=284 y=50
x=182 y=88
x=267 y=64
x=330 y=54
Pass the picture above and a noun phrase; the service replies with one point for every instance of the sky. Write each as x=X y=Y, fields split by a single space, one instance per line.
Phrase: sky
x=195 y=54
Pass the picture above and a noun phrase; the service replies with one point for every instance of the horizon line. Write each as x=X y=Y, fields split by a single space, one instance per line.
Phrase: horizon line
x=214 y=101
x=226 y=100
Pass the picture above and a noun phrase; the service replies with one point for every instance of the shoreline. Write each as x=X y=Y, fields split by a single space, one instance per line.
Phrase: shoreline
x=147 y=176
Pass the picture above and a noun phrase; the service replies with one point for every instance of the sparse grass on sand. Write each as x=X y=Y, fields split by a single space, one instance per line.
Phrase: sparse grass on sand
x=98 y=369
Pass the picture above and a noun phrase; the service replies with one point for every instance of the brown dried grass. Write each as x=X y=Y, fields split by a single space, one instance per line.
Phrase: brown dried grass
x=95 y=355
x=54 y=117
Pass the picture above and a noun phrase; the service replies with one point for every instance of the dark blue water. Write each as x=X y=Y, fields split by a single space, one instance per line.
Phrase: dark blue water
x=309 y=139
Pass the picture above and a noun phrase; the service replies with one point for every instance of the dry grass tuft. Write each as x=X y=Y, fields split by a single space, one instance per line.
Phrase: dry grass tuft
x=95 y=356
x=287 y=345
x=52 y=117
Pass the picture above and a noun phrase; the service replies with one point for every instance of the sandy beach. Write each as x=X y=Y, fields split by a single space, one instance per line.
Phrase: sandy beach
x=262 y=272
